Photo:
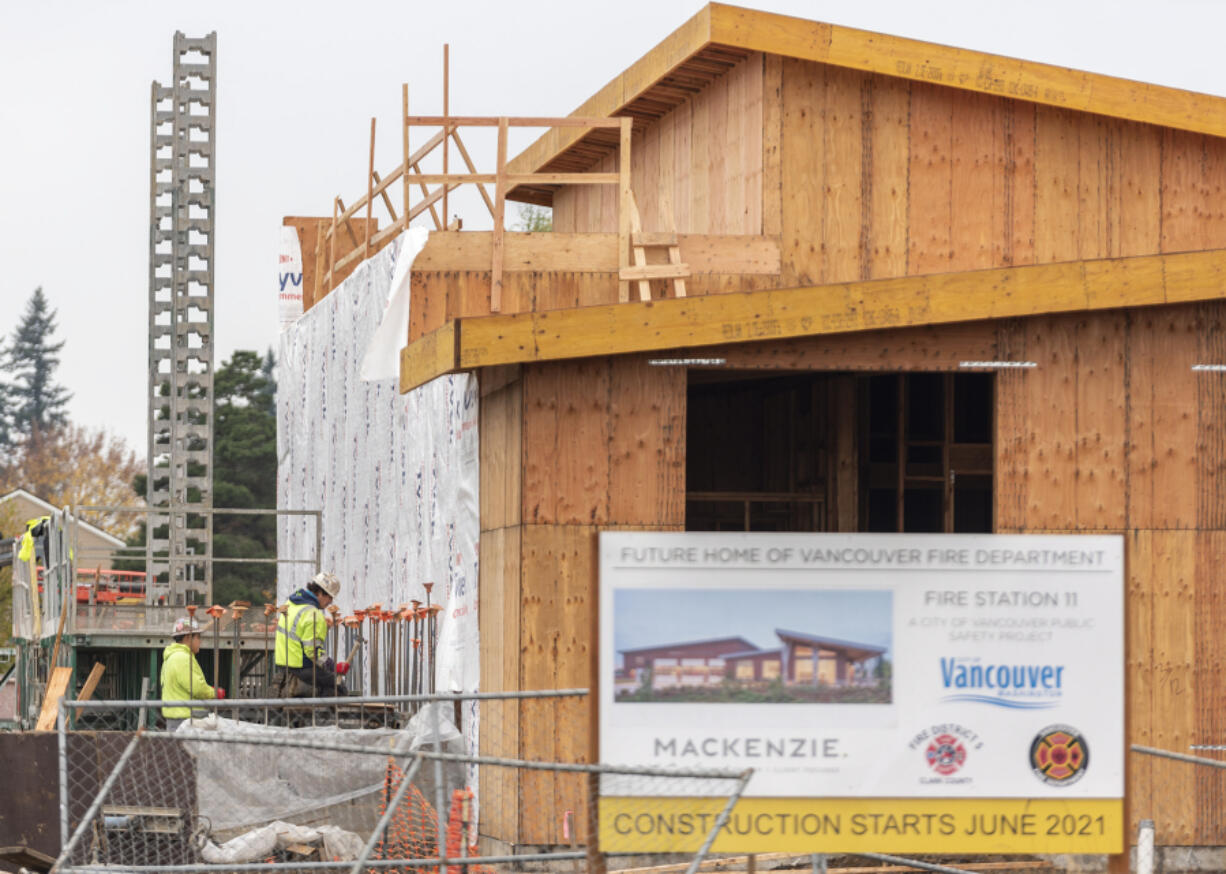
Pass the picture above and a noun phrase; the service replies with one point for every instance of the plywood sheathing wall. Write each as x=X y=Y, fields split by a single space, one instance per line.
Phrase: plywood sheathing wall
x=698 y=170
x=885 y=177
x=1115 y=432
x=876 y=177
x=1112 y=432
x=553 y=442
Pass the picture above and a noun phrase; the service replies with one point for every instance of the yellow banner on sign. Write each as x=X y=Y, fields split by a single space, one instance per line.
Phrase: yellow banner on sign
x=879 y=825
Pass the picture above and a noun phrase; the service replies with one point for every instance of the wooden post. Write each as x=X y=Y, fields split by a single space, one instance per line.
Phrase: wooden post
x=500 y=205
x=319 y=262
x=404 y=126
x=623 y=209
x=332 y=247
x=370 y=190
x=446 y=125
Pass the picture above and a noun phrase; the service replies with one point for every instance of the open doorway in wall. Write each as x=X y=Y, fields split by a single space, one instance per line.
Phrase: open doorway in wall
x=839 y=452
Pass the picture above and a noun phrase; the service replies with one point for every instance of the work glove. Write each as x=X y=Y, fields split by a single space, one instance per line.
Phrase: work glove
x=342 y=668
x=219 y=693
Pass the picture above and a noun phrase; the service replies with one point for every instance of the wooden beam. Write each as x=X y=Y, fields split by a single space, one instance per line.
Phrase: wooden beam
x=432 y=355
x=524 y=178
x=468 y=162
x=332 y=248
x=57 y=686
x=404 y=157
x=653 y=238
x=370 y=184
x=438 y=223
x=655 y=271
x=626 y=209
x=745 y=317
x=447 y=127
x=967 y=69
x=500 y=205
x=512 y=121
x=374 y=244
x=718 y=25
x=91 y=683
x=553 y=252
x=387 y=201
x=561 y=252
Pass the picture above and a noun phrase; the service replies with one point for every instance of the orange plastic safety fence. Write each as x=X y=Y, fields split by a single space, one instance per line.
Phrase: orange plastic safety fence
x=413 y=829
x=458 y=821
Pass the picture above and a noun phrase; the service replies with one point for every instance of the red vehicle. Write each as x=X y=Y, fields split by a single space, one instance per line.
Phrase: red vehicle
x=110 y=586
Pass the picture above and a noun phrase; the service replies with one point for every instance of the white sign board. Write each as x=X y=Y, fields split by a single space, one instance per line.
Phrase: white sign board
x=289 y=277
x=868 y=666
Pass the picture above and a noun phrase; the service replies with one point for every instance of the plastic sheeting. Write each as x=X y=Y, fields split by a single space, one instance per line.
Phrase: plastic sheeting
x=254 y=846
x=395 y=475
x=284 y=783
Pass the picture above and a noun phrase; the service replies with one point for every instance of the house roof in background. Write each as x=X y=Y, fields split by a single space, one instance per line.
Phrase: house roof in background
x=49 y=508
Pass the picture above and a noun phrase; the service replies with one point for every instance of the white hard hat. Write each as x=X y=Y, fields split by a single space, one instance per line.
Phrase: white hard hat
x=330 y=583
x=184 y=626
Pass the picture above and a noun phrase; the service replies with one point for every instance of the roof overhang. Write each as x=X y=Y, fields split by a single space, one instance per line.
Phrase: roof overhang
x=720 y=36
x=749 y=316
x=830 y=644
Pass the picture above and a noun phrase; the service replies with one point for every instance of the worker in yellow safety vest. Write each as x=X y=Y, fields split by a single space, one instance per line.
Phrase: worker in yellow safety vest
x=302 y=633
x=182 y=678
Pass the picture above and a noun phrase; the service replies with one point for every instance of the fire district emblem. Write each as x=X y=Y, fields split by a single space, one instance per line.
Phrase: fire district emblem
x=1059 y=755
x=945 y=754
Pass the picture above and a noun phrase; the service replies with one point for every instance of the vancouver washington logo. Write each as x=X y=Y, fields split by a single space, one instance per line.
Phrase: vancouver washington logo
x=945 y=754
x=1059 y=755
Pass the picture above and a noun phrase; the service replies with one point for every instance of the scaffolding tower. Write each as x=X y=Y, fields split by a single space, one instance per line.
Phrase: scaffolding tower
x=179 y=542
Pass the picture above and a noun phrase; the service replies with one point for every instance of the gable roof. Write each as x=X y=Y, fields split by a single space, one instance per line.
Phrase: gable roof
x=49 y=508
x=719 y=36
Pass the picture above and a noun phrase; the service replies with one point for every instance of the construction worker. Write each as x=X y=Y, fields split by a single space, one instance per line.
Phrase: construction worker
x=182 y=679
x=305 y=669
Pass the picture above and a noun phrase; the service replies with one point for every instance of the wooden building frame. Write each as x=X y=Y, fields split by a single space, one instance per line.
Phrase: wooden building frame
x=851 y=204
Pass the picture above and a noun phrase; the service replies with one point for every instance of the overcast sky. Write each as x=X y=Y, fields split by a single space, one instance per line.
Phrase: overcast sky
x=298 y=83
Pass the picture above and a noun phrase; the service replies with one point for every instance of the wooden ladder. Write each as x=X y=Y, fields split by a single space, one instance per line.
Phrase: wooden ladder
x=640 y=271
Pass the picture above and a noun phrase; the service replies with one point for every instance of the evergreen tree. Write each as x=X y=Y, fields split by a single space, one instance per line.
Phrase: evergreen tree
x=8 y=439
x=245 y=476
x=37 y=402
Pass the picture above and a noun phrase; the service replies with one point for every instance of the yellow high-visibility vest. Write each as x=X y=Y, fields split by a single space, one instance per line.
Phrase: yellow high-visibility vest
x=182 y=680
x=302 y=629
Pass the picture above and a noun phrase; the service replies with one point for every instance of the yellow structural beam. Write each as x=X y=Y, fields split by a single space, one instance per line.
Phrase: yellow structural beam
x=719 y=25
x=744 y=317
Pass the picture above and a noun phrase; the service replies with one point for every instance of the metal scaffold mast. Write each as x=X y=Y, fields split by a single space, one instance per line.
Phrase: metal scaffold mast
x=179 y=545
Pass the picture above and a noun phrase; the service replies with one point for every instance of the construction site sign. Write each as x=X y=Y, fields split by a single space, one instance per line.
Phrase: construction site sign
x=289 y=278
x=892 y=693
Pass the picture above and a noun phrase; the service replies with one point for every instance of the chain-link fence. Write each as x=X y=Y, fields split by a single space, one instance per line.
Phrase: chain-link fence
x=487 y=782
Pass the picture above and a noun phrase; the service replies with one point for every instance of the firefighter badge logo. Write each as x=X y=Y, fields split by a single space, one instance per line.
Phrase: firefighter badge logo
x=945 y=754
x=1059 y=755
